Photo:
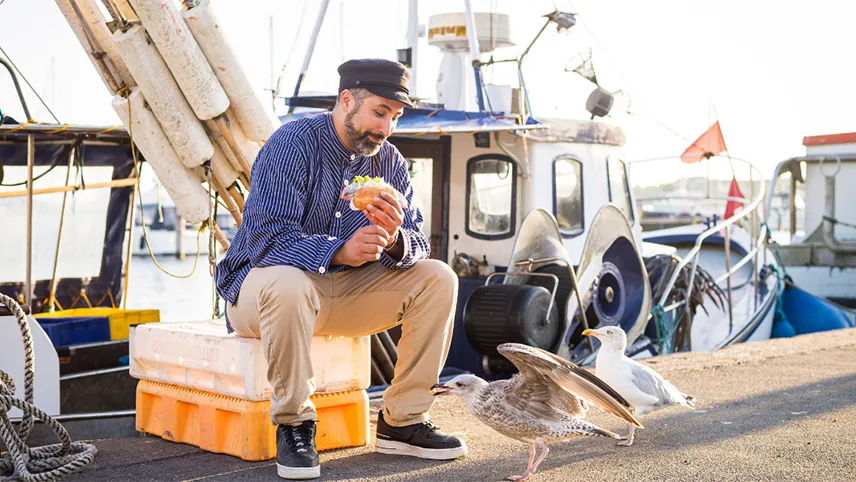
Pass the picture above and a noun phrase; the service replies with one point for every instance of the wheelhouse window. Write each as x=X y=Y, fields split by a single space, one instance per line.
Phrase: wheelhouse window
x=568 y=195
x=491 y=197
x=619 y=189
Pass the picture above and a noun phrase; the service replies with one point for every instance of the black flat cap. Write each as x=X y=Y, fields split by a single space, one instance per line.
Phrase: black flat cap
x=381 y=77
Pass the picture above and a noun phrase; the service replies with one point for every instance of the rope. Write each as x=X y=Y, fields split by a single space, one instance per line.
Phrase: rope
x=43 y=464
x=835 y=221
x=212 y=245
x=25 y=124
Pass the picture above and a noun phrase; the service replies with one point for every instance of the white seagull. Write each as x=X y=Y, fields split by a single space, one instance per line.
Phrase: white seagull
x=644 y=388
x=545 y=402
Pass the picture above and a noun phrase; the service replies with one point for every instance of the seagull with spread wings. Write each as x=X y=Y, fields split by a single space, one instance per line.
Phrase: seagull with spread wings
x=544 y=402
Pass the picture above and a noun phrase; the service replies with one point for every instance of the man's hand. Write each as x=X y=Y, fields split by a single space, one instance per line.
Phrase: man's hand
x=386 y=213
x=363 y=247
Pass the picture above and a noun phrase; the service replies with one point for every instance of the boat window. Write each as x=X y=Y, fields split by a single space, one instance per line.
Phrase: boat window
x=491 y=197
x=83 y=230
x=568 y=195
x=619 y=189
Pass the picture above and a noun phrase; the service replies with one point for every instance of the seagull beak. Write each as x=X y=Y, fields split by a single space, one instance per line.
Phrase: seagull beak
x=440 y=389
x=590 y=333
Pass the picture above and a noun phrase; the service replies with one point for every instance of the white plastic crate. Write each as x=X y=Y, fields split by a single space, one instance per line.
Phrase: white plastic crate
x=204 y=356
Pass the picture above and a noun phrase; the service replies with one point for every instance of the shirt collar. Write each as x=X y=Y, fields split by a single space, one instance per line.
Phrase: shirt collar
x=338 y=147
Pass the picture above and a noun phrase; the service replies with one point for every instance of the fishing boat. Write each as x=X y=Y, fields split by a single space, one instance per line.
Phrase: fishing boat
x=814 y=236
x=527 y=208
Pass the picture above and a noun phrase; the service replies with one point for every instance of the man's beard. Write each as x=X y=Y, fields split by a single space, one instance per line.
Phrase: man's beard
x=363 y=144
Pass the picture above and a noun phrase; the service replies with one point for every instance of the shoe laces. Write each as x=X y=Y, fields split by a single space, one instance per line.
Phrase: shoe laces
x=299 y=436
x=429 y=426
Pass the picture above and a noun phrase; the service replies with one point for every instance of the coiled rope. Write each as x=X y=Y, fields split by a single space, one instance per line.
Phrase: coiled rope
x=43 y=464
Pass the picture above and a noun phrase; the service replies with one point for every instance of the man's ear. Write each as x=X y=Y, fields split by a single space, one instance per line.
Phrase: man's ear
x=346 y=99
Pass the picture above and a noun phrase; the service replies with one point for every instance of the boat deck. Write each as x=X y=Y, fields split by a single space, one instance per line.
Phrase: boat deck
x=775 y=410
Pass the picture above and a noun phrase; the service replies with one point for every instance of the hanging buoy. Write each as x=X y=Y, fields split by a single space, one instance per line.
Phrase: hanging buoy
x=181 y=183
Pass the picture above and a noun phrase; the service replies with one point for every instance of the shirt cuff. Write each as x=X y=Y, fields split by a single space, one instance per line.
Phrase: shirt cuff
x=324 y=263
x=407 y=260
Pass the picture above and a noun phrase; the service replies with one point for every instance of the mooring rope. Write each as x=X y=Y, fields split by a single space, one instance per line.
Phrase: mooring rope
x=43 y=464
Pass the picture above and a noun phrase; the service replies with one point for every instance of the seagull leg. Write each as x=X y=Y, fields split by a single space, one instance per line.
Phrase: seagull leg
x=545 y=450
x=528 y=467
x=628 y=440
x=531 y=456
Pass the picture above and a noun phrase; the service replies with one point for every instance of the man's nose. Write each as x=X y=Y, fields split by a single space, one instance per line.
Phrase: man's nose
x=387 y=126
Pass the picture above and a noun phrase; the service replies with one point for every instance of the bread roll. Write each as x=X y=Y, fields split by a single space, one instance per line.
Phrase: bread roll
x=366 y=194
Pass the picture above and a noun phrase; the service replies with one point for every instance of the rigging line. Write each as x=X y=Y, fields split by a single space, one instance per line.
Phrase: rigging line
x=582 y=22
x=56 y=162
x=651 y=117
x=28 y=84
x=730 y=161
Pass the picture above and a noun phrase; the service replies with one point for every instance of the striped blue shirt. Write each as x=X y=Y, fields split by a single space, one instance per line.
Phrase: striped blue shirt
x=294 y=214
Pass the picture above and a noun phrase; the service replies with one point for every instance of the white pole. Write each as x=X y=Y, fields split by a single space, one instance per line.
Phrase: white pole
x=31 y=160
x=270 y=35
x=472 y=38
x=413 y=42
x=309 y=50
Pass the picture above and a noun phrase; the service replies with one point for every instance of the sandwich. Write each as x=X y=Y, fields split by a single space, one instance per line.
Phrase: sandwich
x=363 y=189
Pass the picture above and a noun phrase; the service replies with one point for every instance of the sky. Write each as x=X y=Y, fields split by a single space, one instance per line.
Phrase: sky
x=770 y=71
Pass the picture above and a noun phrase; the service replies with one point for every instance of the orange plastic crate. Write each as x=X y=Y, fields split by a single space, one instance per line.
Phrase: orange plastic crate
x=242 y=428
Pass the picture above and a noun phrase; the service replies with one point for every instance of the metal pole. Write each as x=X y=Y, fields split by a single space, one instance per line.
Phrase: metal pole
x=271 y=49
x=8 y=66
x=472 y=37
x=132 y=214
x=413 y=42
x=52 y=296
x=728 y=268
x=582 y=308
x=31 y=159
x=707 y=161
x=179 y=237
x=754 y=222
x=792 y=198
x=310 y=49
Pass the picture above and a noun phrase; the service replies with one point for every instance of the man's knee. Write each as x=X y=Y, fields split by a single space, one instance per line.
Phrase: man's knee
x=439 y=275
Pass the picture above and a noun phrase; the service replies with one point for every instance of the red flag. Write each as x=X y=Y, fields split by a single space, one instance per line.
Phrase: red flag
x=731 y=206
x=707 y=145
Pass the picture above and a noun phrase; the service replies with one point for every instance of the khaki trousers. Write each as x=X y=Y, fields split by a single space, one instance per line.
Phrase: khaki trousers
x=285 y=306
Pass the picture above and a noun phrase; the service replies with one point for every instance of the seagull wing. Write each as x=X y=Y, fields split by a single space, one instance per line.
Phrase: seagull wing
x=535 y=395
x=535 y=364
x=652 y=383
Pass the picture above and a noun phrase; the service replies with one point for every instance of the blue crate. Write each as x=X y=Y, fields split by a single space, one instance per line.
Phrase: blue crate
x=65 y=331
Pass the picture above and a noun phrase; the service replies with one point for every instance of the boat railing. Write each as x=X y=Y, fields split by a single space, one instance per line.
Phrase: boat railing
x=758 y=234
x=793 y=166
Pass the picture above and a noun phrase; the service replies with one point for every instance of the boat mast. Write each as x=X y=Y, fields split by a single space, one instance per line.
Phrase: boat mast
x=413 y=41
x=308 y=58
x=472 y=37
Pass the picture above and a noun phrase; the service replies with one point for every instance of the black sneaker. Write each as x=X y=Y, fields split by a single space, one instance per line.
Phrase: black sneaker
x=422 y=440
x=296 y=457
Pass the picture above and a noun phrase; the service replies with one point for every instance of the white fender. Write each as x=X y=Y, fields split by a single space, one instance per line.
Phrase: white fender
x=181 y=182
x=249 y=148
x=182 y=54
x=182 y=128
x=222 y=168
x=256 y=117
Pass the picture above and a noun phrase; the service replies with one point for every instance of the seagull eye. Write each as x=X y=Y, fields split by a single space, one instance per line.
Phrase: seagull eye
x=609 y=332
x=458 y=384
